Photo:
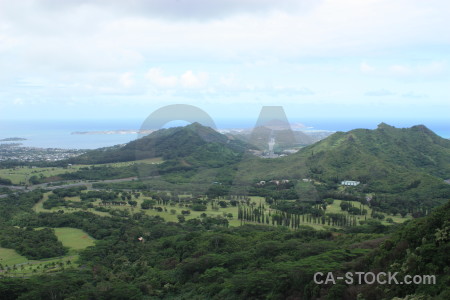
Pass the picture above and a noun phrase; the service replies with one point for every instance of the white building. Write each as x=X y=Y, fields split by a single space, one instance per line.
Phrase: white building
x=350 y=183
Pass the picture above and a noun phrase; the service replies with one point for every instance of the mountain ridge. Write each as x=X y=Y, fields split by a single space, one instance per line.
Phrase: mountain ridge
x=167 y=143
x=416 y=147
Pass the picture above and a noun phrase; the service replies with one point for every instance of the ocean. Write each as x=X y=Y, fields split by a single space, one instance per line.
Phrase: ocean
x=58 y=134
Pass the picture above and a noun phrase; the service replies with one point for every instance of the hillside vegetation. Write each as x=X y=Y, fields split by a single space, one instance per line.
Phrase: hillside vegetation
x=195 y=140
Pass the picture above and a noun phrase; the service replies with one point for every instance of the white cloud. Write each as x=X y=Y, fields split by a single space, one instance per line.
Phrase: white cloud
x=92 y=34
x=228 y=80
x=127 y=80
x=89 y=49
x=192 y=9
x=156 y=77
x=191 y=80
x=290 y=91
x=366 y=68
x=187 y=79
x=400 y=70
x=430 y=69
x=18 y=101
x=433 y=68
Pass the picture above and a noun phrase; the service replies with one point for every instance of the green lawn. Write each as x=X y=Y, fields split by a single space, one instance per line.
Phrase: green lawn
x=335 y=208
x=11 y=257
x=75 y=239
x=32 y=267
x=20 y=175
x=167 y=215
x=156 y=160
x=38 y=207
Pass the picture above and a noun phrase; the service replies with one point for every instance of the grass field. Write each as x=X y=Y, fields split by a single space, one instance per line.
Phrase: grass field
x=335 y=208
x=21 y=175
x=152 y=161
x=74 y=239
x=169 y=217
x=170 y=212
x=11 y=257
x=32 y=267
x=194 y=214
x=38 y=207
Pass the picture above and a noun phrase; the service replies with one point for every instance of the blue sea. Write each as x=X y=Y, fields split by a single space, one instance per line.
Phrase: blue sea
x=58 y=134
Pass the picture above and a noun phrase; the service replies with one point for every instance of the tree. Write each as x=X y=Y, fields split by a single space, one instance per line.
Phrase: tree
x=147 y=204
x=223 y=204
x=199 y=207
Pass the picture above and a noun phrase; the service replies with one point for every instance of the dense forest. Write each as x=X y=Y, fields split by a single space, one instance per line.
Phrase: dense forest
x=206 y=259
x=305 y=220
x=33 y=244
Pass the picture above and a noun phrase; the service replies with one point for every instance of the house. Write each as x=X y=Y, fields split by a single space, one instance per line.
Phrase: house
x=350 y=183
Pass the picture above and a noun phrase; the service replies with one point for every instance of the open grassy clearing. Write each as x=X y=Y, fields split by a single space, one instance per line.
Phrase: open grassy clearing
x=73 y=238
x=21 y=175
x=11 y=257
x=38 y=207
x=335 y=208
x=172 y=217
x=33 y=267
x=152 y=161
x=170 y=213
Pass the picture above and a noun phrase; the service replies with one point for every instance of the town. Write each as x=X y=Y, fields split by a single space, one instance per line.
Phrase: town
x=16 y=152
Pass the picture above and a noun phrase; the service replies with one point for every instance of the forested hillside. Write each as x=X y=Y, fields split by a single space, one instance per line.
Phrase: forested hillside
x=142 y=257
x=178 y=142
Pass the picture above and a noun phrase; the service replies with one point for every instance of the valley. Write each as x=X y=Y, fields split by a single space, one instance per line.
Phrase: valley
x=189 y=211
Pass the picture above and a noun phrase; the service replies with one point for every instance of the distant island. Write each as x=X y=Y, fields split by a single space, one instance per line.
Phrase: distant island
x=13 y=139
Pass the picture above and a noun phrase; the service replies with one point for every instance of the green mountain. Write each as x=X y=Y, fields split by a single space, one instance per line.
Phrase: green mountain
x=416 y=149
x=396 y=167
x=198 y=142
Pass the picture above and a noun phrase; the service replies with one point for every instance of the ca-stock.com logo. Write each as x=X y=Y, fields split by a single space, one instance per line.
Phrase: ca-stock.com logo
x=199 y=175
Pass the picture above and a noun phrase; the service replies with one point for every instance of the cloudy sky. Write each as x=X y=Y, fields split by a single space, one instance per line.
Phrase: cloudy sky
x=346 y=59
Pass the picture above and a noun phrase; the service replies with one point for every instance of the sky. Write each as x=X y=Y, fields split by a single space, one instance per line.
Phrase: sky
x=380 y=60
